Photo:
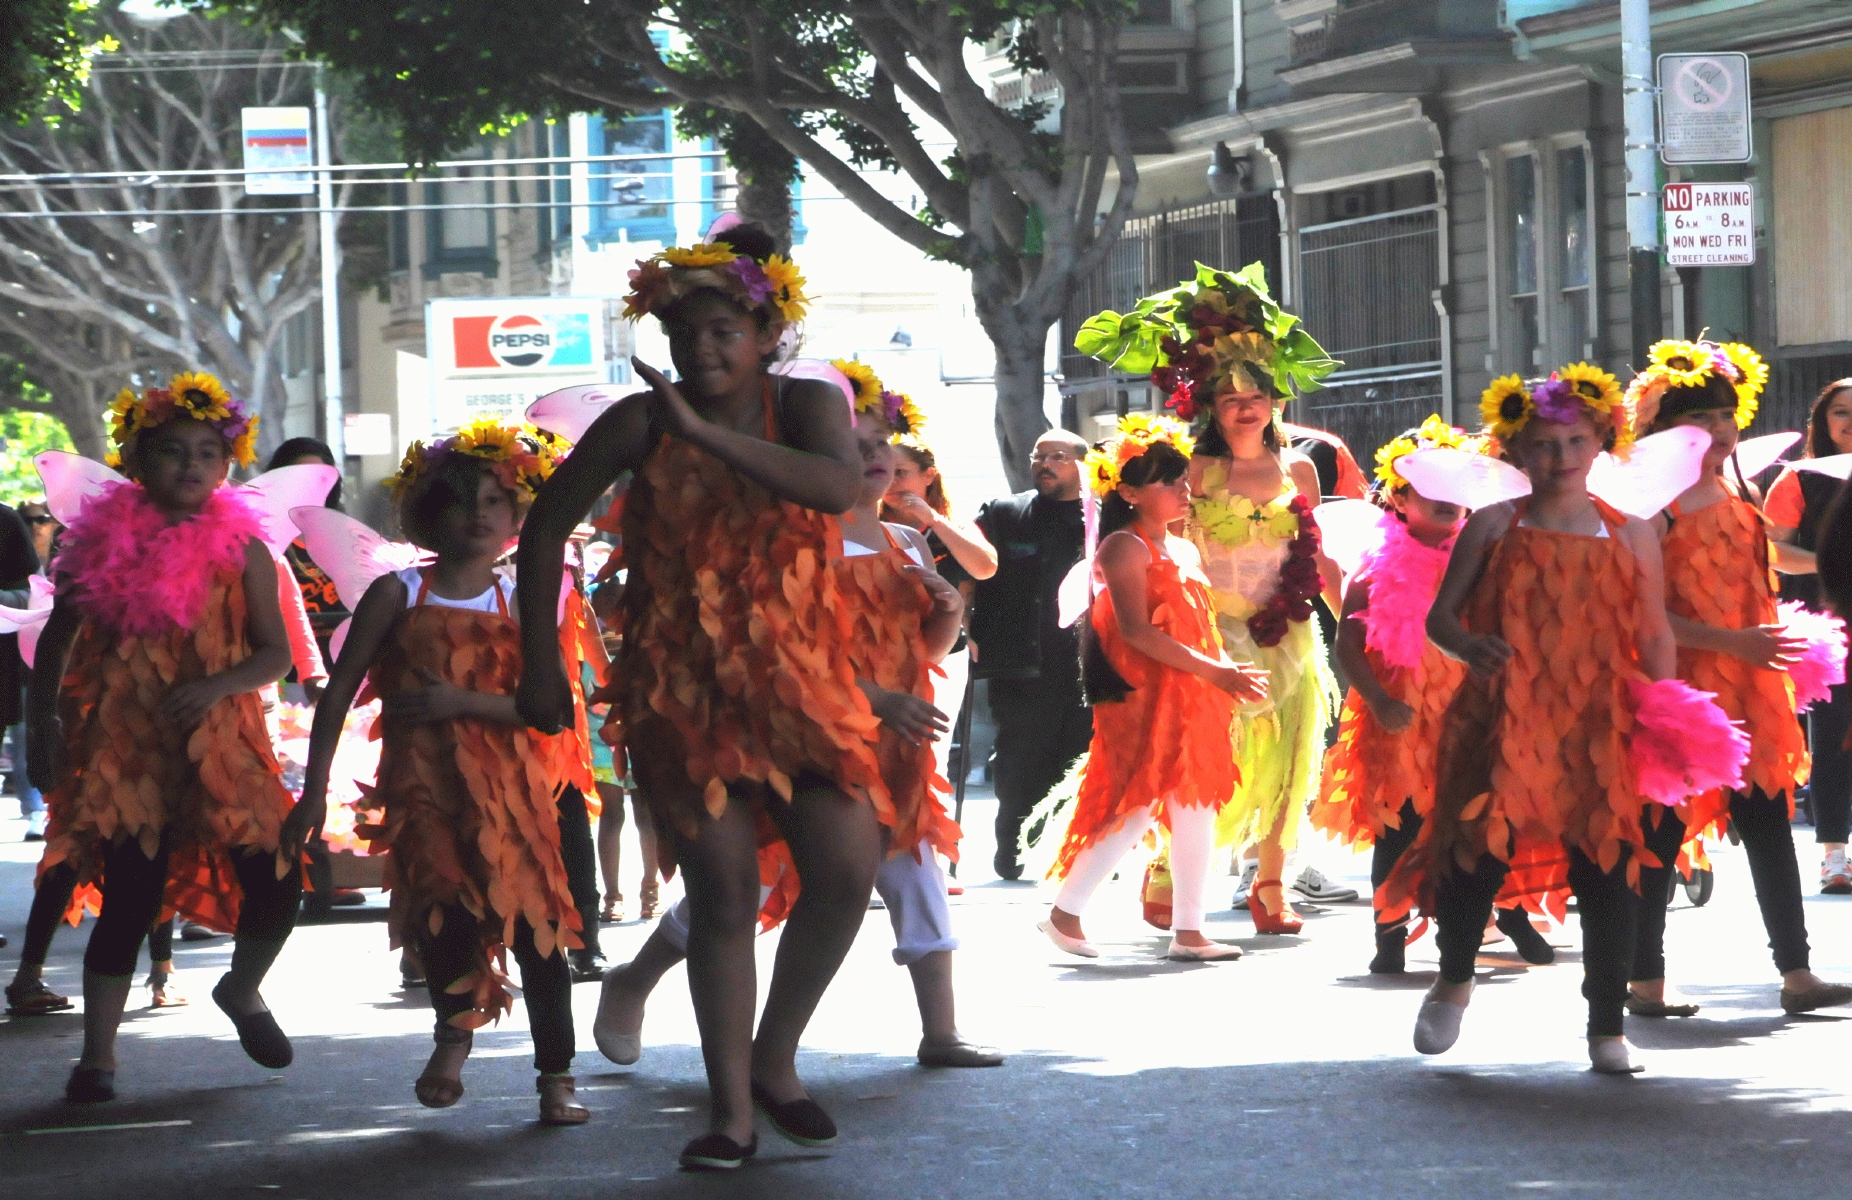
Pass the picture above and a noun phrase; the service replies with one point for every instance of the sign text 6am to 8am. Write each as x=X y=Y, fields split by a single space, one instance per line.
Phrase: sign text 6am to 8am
x=1710 y=224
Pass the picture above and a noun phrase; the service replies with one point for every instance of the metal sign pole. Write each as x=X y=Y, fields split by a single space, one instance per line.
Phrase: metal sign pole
x=961 y=737
x=333 y=408
x=1637 y=91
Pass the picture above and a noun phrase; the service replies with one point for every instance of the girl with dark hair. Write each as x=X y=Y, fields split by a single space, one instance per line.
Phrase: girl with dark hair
x=1732 y=643
x=1796 y=508
x=320 y=602
x=917 y=500
x=727 y=527
x=467 y=815
x=1163 y=692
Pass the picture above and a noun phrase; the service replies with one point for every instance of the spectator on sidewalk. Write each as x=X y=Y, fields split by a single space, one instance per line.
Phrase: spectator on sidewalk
x=19 y=562
x=1043 y=722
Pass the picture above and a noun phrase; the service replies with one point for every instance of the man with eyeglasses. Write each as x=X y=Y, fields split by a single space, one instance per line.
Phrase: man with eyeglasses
x=1043 y=722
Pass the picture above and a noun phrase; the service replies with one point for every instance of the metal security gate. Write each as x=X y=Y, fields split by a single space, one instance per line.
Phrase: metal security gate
x=1366 y=292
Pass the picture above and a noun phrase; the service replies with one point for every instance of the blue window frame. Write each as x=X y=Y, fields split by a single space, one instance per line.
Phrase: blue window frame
x=631 y=199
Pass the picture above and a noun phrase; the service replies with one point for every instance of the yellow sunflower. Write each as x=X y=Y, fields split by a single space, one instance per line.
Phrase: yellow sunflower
x=788 y=287
x=1506 y=406
x=706 y=254
x=1101 y=471
x=218 y=400
x=1389 y=455
x=410 y=467
x=909 y=420
x=1597 y=388
x=863 y=380
x=1679 y=363
x=1436 y=432
x=1754 y=378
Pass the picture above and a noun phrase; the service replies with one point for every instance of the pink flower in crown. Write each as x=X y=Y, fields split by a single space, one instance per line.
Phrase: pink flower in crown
x=1557 y=402
x=752 y=276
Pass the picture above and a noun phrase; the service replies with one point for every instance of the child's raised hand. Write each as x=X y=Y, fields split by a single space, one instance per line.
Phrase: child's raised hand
x=1393 y=715
x=1487 y=656
x=914 y=719
x=543 y=698
x=438 y=700
x=1245 y=684
x=945 y=597
x=47 y=761
x=188 y=703
x=666 y=400
x=1768 y=646
x=303 y=822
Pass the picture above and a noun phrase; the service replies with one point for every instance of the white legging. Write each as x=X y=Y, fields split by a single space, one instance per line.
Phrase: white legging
x=1192 y=840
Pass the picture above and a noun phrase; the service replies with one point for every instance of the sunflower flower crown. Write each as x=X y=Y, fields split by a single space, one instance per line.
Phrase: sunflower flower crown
x=1674 y=363
x=1137 y=433
x=191 y=394
x=1217 y=327
x=871 y=395
x=771 y=285
x=521 y=456
x=1507 y=406
x=1434 y=434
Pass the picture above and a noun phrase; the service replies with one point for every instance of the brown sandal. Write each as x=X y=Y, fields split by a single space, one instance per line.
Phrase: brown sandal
x=646 y=901
x=559 y=1103
x=613 y=909
x=441 y=1091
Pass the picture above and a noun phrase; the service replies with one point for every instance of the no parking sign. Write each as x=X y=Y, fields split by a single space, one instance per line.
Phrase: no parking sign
x=1710 y=224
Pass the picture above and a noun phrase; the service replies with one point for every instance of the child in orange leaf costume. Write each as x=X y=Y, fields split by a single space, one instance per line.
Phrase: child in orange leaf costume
x=739 y=697
x=1163 y=693
x=1378 y=782
x=167 y=613
x=465 y=794
x=1555 y=604
x=1732 y=643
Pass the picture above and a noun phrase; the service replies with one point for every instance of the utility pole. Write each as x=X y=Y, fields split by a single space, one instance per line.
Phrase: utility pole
x=333 y=414
x=1638 y=91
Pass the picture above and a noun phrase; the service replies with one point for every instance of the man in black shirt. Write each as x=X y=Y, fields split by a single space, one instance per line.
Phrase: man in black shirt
x=1033 y=665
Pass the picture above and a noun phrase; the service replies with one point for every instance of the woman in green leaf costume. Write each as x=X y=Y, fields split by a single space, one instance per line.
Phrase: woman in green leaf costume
x=1227 y=358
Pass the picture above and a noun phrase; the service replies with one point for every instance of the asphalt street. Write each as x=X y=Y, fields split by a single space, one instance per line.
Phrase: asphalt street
x=1286 y=1074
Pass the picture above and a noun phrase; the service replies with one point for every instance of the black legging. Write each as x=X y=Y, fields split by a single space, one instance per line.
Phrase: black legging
x=50 y=902
x=1831 y=786
x=1388 y=851
x=133 y=885
x=546 y=985
x=580 y=858
x=1610 y=914
x=1768 y=841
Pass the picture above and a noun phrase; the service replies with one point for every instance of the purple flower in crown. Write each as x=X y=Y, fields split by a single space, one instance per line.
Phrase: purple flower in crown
x=237 y=427
x=1557 y=402
x=752 y=277
x=1721 y=366
x=890 y=405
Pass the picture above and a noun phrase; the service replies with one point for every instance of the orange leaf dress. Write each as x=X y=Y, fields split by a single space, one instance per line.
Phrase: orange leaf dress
x=735 y=664
x=468 y=808
x=1171 y=740
x=1717 y=573
x=1535 y=760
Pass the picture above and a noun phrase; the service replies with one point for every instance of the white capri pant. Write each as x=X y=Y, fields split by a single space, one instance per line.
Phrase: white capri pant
x=1192 y=840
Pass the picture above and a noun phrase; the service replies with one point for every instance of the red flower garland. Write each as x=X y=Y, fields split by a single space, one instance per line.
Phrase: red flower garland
x=1300 y=582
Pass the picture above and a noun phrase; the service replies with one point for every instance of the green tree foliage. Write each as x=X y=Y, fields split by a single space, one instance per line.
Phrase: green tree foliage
x=44 y=56
x=27 y=433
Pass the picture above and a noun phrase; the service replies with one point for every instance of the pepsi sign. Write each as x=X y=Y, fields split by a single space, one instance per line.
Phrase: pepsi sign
x=522 y=339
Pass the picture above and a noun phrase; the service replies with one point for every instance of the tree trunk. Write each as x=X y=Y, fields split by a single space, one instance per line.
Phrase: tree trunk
x=767 y=205
x=1020 y=347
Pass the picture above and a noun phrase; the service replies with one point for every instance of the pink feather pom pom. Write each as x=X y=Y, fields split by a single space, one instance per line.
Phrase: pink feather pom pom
x=1683 y=745
x=1822 y=665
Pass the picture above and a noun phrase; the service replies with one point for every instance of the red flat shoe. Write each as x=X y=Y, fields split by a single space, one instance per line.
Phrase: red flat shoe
x=1287 y=921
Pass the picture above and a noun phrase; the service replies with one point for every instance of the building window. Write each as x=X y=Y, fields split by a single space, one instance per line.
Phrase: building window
x=1575 y=272
x=1148 y=14
x=460 y=238
x=631 y=197
x=555 y=224
x=1521 y=237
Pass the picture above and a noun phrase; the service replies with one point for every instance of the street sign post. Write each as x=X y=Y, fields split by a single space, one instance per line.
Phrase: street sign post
x=1704 y=109
x=276 y=138
x=1710 y=224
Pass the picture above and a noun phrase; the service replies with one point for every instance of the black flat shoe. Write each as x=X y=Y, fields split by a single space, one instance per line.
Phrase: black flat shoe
x=586 y=966
x=260 y=1035
x=90 y=1085
x=1530 y=945
x=801 y=1121
x=717 y=1152
x=1391 y=952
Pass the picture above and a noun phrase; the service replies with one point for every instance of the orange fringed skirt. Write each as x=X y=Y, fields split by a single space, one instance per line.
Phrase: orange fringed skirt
x=1535 y=760
x=467 y=808
x=734 y=665
x=1716 y=566
x=1371 y=773
x=224 y=794
x=1171 y=740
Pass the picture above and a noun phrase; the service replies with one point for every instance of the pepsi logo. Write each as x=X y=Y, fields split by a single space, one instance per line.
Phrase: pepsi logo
x=519 y=340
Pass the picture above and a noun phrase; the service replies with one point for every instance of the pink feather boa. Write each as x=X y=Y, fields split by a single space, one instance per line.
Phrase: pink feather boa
x=1823 y=663
x=135 y=573
x=1404 y=577
x=1682 y=745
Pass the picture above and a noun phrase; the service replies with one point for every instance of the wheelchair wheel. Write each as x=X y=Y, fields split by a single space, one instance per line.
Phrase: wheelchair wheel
x=1698 y=887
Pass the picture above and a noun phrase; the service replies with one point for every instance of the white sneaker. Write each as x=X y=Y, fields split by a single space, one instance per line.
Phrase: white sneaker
x=1313 y=885
x=1249 y=873
x=35 y=826
x=1609 y=1056
x=1835 y=875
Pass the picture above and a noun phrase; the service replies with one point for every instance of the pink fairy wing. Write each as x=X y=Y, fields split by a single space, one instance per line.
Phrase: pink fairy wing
x=722 y=223
x=1459 y=477
x=570 y=411
x=1839 y=466
x=1758 y=454
x=70 y=482
x=1660 y=467
x=1076 y=592
x=29 y=622
x=352 y=555
x=1350 y=529
x=275 y=494
x=816 y=368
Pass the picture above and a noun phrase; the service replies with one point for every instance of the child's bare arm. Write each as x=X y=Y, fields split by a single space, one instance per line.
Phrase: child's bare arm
x=440 y=700
x=1485 y=655
x=45 y=748
x=366 y=636
x=914 y=719
x=269 y=659
x=1390 y=713
x=942 y=625
x=1658 y=648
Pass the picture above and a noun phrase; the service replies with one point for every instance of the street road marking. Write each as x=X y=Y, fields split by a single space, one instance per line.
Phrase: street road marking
x=109 y=1128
